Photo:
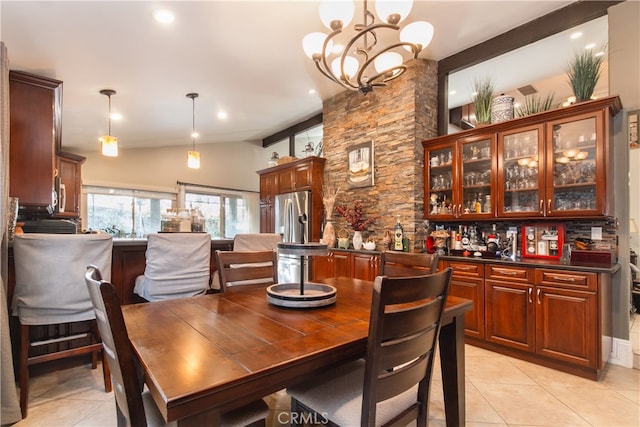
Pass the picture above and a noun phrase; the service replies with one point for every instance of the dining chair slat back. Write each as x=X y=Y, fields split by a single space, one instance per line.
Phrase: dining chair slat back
x=401 y=264
x=243 y=268
x=393 y=382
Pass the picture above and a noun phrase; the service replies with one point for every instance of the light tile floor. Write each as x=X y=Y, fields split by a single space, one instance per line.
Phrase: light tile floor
x=500 y=391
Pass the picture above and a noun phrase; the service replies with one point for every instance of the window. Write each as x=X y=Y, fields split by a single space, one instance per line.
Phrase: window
x=136 y=213
x=225 y=214
x=126 y=212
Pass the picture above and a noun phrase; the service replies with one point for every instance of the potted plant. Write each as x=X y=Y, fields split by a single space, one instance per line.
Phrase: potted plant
x=584 y=73
x=534 y=104
x=482 y=97
x=355 y=218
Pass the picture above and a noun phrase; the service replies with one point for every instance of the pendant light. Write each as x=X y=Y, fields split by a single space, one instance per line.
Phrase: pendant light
x=109 y=143
x=193 y=156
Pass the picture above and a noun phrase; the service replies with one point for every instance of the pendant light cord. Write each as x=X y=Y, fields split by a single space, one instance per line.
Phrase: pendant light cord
x=193 y=123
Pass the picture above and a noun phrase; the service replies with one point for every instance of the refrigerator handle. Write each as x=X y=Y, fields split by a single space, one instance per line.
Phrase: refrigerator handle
x=288 y=220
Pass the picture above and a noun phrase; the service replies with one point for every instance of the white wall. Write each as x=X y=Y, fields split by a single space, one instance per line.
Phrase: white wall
x=624 y=69
x=221 y=165
x=634 y=196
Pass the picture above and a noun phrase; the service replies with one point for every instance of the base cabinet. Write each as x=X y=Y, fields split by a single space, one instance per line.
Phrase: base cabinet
x=467 y=281
x=557 y=317
x=359 y=265
x=566 y=327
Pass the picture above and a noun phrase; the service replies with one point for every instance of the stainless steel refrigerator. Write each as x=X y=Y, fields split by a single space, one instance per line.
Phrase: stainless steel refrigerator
x=290 y=208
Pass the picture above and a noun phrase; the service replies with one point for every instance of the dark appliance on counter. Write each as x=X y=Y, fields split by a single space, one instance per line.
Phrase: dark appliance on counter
x=50 y=226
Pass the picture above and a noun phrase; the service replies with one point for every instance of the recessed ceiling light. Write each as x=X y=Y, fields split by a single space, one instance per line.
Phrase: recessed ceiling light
x=312 y=91
x=590 y=46
x=164 y=16
x=222 y=115
x=576 y=35
x=116 y=116
x=453 y=92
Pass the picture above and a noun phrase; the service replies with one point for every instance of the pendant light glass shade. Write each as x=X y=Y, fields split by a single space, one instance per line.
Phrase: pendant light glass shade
x=109 y=144
x=193 y=156
x=193 y=159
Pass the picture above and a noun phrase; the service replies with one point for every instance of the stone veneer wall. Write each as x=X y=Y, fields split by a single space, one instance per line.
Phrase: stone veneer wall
x=397 y=117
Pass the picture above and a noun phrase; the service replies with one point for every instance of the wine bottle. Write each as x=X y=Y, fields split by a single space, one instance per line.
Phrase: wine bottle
x=397 y=236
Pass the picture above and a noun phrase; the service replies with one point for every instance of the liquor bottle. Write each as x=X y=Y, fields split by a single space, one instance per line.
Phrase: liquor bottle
x=458 y=243
x=482 y=244
x=479 y=203
x=397 y=236
x=465 y=238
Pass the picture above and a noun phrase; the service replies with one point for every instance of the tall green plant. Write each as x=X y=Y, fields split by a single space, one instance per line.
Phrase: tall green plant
x=483 y=95
x=534 y=104
x=584 y=73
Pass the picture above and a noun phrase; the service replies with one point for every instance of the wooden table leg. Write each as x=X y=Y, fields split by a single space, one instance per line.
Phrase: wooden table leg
x=451 y=343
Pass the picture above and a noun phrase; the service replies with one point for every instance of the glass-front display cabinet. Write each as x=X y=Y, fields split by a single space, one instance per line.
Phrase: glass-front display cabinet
x=575 y=171
x=460 y=178
x=520 y=162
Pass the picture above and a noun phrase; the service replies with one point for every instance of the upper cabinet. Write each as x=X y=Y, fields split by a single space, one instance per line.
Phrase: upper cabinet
x=35 y=126
x=461 y=177
x=552 y=164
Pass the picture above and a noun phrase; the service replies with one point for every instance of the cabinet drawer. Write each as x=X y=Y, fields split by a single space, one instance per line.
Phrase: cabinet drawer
x=466 y=269
x=508 y=272
x=567 y=279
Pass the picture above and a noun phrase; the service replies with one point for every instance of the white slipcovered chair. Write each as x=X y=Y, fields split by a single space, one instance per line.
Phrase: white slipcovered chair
x=50 y=290
x=177 y=266
x=250 y=242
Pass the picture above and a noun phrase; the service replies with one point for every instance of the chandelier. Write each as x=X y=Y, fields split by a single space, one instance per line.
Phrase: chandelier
x=193 y=156
x=109 y=144
x=359 y=63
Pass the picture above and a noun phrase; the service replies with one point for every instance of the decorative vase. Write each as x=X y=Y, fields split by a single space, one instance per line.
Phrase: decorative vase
x=329 y=234
x=357 y=240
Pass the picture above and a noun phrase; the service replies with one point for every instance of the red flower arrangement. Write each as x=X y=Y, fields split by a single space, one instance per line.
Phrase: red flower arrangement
x=354 y=216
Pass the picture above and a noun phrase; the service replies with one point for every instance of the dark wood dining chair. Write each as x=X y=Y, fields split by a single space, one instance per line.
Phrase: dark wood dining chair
x=401 y=264
x=242 y=268
x=135 y=407
x=391 y=385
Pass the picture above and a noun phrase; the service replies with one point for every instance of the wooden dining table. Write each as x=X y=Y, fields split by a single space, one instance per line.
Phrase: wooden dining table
x=208 y=354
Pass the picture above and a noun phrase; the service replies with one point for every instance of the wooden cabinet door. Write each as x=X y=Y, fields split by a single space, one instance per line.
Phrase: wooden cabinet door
x=268 y=190
x=467 y=281
x=567 y=325
x=341 y=263
x=34 y=133
x=286 y=181
x=323 y=267
x=69 y=169
x=472 y=289
x=576 y=172
x=302 y=177
x=364 y=266
x=521 y=177
x=510 y=314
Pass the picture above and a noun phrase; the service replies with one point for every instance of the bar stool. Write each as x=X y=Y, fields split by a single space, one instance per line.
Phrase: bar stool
x=50 y=290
